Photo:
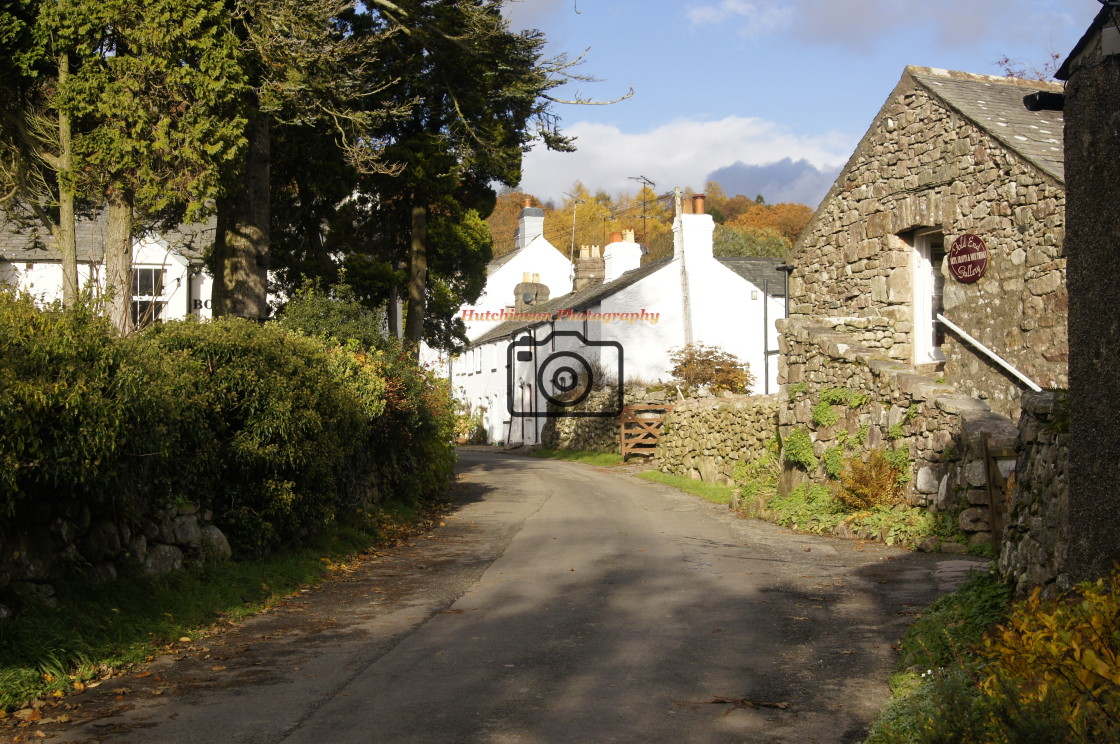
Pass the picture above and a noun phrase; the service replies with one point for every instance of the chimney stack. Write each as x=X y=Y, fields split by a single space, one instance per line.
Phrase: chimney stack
x=530 y=225
x=620 y=256
x=529 y=294
x=589 y=268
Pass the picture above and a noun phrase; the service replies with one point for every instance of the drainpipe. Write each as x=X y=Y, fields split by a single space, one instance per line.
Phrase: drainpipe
x=686 y=303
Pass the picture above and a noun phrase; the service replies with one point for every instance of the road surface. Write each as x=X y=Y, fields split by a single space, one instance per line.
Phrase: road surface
x=558 y=603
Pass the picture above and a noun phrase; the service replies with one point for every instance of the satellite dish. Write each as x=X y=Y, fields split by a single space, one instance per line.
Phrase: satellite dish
x=527 y=298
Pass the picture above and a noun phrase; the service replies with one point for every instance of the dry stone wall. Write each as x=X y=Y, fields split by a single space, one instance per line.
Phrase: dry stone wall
x=844 y=398
x=923 y=165
x=43 y=544
x=707 y=438
x=1036 y=539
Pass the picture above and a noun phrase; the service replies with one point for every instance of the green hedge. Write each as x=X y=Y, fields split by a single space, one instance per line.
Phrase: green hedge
x=277 y=431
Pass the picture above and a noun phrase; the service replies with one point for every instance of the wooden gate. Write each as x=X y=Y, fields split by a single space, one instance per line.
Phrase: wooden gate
x=641 y=428
x=998 y=487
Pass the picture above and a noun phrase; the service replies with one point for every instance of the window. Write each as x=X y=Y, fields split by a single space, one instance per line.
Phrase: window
x=147 y=291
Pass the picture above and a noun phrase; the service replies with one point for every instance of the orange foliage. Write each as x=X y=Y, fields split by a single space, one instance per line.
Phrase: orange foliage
x=787 y=219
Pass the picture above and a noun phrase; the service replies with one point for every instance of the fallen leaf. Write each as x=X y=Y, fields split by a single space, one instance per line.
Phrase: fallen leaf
x=184 y=639
x=218 y=668
x=143 y=674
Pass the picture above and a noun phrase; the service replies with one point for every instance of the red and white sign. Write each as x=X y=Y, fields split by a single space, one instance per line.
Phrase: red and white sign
x=968 y=258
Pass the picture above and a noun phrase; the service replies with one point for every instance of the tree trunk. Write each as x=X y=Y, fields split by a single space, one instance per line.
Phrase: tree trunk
x=66 y=238
x=118 y=263
x=241 y=242
x=417 y=279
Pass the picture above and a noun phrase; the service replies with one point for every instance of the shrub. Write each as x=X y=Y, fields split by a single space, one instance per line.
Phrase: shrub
x=833 y=460
x=955 y=622
x=290 y=418
x=875 y=481
x=1062 y=657
x=844 y=397
x=336 y=315
x=808 y=507
x=60 y=407
x=88 y=416
x=700 y=364
x=797 y=449
x=824 y=415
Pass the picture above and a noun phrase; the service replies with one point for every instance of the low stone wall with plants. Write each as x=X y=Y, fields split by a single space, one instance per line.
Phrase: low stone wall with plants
x=850 y=413
x=709 y=438
x=1036 y=537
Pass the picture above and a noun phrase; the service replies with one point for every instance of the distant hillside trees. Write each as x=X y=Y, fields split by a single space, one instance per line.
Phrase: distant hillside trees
x=745 y=226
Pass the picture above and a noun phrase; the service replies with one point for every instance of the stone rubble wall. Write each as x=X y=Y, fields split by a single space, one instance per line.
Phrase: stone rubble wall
x=1036 y=536
x=925 y=166
x=42 y=544
x=707 y=438
x=893 y=407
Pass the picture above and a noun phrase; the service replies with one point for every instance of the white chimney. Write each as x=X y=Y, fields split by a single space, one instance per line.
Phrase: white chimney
x=692 y=233
x=620 y=256
x=530 y=226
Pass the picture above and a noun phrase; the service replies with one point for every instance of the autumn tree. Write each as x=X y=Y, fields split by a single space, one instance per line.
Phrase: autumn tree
x=505 y=217
x=749 y=241
x=788 y=219
x=581 y=219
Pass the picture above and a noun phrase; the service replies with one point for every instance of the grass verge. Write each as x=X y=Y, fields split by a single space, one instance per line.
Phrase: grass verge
x=599 y=459
x=714 y=492
x=96 y=631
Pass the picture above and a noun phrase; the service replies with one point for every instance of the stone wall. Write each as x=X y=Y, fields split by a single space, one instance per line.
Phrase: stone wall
x=922 y=165
x=42 y=545
x=848 y=399
x=1092 y=147
x=1036 y=538
x=597 y=433
x=706 y=438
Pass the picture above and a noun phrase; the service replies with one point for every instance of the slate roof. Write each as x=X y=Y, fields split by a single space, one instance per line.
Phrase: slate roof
x=758 y=270
x=574 y=301
x=995 y=104
x=31 y=243
x=752 y=269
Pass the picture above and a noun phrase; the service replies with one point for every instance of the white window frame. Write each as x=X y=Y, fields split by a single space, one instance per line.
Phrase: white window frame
x=922 y=271
x=149 y=308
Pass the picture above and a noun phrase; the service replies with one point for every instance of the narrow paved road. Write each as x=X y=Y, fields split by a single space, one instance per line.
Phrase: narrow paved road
x=560 y=603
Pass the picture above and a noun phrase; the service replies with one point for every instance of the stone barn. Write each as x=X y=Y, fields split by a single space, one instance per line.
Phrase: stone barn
x=952 y=207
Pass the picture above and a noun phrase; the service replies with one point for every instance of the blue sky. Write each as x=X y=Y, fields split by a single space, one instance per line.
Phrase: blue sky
x=765 y=96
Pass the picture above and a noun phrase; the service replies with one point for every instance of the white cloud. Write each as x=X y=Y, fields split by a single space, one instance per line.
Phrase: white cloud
x=861 y=24
x=759 y=17
x=523 y=14
x=681 y=153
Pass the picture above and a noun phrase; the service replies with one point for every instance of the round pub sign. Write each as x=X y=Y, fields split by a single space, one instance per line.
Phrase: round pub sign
x=968 y=258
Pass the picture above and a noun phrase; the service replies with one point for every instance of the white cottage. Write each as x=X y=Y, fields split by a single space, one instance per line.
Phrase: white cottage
x=534 y=259
x=168 y=279
x=622 y=329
